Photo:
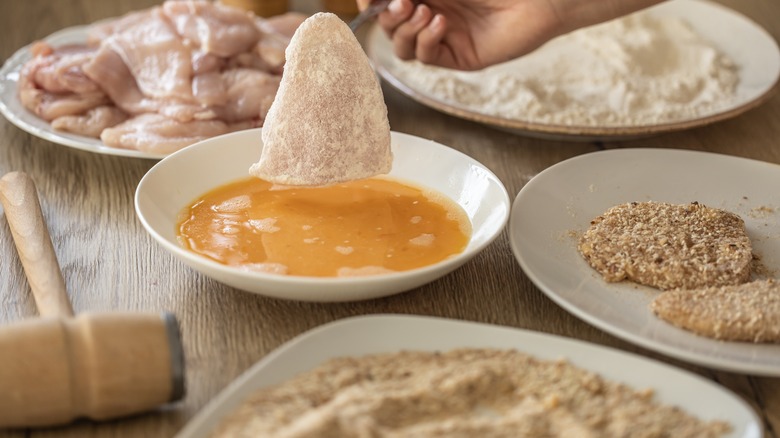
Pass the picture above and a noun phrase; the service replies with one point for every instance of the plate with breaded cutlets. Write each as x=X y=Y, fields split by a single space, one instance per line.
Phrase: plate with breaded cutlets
x=677 y=251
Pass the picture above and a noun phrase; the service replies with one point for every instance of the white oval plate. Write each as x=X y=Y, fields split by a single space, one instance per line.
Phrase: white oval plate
x=176 y=181
x=561 y=201
x=391 y=333
x=12 y=108
x=750 y=46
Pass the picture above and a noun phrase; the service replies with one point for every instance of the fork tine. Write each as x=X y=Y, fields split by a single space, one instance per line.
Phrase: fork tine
x=373 y=9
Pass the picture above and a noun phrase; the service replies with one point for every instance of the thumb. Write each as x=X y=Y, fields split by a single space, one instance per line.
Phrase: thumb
x=362 y=4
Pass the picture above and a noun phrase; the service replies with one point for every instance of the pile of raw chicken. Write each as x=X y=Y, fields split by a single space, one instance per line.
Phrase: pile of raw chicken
x=160 y=79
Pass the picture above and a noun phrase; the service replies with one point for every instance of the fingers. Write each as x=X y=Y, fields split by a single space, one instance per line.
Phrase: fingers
x=414 y=31
x=397 y=13
x=405 y=35
x=362 y=4
x=428 y=48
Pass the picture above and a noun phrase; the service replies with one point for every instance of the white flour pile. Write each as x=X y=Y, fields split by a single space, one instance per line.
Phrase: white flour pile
x=637 y=70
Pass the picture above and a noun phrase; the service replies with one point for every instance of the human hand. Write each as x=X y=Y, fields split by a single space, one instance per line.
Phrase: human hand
x=474 y=34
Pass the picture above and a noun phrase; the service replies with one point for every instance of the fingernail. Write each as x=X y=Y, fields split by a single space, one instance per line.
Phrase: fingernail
x=418 y=14
x=437 y=22
x=395 y=7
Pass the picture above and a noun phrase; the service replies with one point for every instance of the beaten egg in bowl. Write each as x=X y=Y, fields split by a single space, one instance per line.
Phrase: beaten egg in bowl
x=177 y=181
x=363 y=227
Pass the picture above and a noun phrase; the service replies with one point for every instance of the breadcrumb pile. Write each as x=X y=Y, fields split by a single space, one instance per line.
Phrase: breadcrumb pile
x=458 y=394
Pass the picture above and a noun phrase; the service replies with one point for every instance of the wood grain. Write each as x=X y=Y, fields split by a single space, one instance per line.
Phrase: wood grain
x=19 y=198
x=110 y=263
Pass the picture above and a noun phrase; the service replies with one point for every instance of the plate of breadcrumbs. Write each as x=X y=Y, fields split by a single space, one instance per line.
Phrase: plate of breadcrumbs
x=677 y=251
x=401 y=375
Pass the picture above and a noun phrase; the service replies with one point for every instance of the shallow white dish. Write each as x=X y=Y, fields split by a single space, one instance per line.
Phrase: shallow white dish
x=750 y=46
x=391 y=333
x=12 y=108
x=562 y=200
x=180 y=178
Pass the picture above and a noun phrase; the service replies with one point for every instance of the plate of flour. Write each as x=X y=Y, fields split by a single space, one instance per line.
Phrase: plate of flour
x=552 y=212
x=674 y=66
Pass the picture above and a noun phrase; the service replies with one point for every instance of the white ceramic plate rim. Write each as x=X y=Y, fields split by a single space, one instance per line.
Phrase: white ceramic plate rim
x=12 y=109
x=391 y=333
x=731 y=31
x=574 y=192
x=476 y=244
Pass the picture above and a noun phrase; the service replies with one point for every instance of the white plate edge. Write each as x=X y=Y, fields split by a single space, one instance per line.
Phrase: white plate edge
x=579 y=132
x=658 y=346
x=209 y=415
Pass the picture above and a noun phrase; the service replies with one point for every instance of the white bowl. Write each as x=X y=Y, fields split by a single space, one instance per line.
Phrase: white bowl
x=180 y=178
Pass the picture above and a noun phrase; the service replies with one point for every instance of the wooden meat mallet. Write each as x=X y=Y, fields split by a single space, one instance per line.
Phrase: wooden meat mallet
x=56 y=368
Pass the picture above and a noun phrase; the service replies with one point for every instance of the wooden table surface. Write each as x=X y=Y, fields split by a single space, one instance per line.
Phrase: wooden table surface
x=110 y=263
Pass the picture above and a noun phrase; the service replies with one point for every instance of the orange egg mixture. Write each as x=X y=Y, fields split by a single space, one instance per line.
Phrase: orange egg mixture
x=364 y=227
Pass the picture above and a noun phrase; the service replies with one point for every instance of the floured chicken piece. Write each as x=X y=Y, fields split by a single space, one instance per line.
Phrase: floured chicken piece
x=328 y=123
x=161 y=78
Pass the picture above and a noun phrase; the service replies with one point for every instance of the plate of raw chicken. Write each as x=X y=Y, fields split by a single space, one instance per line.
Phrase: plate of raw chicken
x=150 y=82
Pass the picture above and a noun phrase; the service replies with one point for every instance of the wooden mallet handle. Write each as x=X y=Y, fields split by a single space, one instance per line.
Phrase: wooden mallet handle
x=23 y=211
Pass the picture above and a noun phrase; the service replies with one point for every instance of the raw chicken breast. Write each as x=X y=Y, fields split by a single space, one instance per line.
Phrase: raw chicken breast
x=249 y=93
x=60 y=71
x=50 y=106
x=209 y=88
x=158 y=134
x=214 y=28
x=92 y=123
x=50 y=83
x=160 y=79
x=156 y=55
x=99 y=33
x=113 y=76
